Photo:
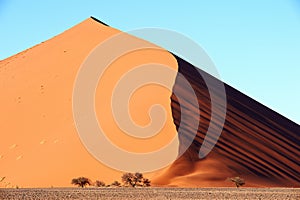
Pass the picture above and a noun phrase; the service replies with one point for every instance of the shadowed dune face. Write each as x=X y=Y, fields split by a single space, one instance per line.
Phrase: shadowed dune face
x=39 y=144
x=256 y=143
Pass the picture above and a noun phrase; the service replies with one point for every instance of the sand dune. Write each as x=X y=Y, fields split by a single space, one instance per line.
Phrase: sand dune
x=40 y=147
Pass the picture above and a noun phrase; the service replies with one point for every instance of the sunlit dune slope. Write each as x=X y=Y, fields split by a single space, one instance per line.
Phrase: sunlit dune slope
x=39 y=144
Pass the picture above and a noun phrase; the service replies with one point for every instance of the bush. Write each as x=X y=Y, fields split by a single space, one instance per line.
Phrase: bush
x=116 y=184
x=146 y=182
x=81 y=181
x=99 y=183
x=238 y=181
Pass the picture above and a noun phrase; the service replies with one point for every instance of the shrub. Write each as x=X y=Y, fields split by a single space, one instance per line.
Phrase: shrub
x=81 y=181
x=238 y=181
x=146 y=182
x=116 y=184
x=99 y=183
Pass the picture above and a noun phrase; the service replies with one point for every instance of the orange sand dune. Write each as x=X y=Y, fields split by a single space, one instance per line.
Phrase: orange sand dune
x=39 y=144
x=256 y=143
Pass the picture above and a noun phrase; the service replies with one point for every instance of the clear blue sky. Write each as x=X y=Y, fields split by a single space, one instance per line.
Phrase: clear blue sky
x=254 y=44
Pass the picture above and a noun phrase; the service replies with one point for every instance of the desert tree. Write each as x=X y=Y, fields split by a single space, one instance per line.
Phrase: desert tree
x=99 y=183
x=134 y=180
x=81 y=181
x=127 y=179
x=238 y=181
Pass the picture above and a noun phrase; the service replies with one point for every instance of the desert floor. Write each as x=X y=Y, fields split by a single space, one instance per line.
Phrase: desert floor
x=151 y=193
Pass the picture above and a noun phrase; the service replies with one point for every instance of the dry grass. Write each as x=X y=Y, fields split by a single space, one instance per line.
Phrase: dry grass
x=151 y=193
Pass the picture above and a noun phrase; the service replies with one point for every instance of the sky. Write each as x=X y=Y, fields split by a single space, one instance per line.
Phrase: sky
x=255 y=45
